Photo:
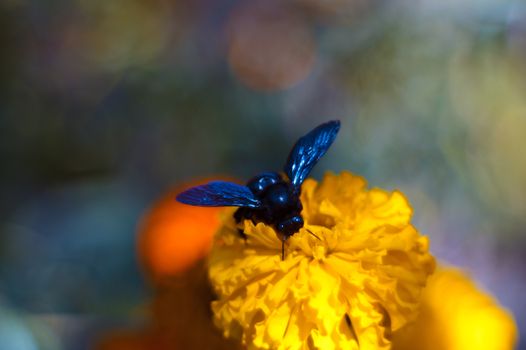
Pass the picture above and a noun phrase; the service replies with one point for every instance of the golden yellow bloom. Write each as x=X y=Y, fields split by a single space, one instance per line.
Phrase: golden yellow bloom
x=349 y=289
x=456 y=315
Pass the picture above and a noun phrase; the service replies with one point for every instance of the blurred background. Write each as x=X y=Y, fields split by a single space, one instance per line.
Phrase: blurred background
x=106 y=105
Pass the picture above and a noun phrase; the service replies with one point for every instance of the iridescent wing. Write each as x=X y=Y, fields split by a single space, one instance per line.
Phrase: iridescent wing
x=308 y=151
x=219 y=194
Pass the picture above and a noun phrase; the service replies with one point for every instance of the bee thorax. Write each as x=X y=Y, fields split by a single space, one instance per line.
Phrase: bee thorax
x=259 y=184
x=280 y=198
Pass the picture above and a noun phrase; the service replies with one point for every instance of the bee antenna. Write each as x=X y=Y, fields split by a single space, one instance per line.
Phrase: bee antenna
x=312 y=233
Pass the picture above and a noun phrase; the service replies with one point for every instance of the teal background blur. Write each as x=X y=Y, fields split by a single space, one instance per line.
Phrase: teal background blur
x=105 y=105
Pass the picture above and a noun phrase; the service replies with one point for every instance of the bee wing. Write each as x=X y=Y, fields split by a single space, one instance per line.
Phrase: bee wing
x=308 y=151
x=219 y=194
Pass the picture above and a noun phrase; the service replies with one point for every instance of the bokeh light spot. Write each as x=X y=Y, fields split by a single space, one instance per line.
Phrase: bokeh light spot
x=270 y=47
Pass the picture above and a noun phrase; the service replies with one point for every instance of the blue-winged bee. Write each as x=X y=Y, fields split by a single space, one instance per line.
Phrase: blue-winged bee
x=270 y=197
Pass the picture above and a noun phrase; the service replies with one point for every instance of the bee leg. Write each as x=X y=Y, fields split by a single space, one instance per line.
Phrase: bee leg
x=242 y=234
x=283 y=248
x=239 y=214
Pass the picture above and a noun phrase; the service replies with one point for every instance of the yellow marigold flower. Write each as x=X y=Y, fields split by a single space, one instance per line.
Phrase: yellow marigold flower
x=456 y=315
x=347 y=285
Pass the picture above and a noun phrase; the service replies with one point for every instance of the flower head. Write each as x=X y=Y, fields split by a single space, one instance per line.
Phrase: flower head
x=456 y=315
x=351 y=275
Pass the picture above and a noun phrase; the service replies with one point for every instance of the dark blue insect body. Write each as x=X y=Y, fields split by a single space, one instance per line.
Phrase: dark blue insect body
x=269 y=197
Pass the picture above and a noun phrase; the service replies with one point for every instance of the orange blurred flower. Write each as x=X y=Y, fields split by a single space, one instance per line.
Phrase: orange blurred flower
x=173 y=236
x=173 y=239
x=455 y=315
